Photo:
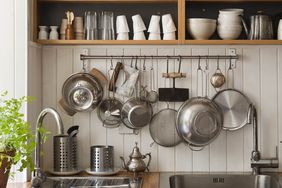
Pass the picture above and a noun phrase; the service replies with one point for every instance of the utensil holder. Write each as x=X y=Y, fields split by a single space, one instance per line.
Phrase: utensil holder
x=65 y=153
x=102 y=158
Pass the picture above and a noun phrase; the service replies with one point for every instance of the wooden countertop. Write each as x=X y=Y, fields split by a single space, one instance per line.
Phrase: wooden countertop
x=150 y=180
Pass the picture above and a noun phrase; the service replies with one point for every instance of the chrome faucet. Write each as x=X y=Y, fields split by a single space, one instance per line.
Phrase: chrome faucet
x=256 y=161
x=38 y=175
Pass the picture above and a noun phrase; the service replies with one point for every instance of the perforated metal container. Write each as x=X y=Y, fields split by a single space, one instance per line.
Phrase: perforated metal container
x=102 y=158
x=65 y=153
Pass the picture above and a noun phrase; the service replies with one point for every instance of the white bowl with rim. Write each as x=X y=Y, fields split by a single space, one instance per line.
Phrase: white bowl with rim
x=201 y=28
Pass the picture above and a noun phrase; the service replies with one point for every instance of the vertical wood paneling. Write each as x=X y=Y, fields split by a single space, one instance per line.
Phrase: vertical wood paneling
x=146 y=139
x=229 y=152
x=280 y=105
x=269 y=101
x=201 y=159
x=183 y=155
x=217 y=162
x=235 y=139
x=49 y=65
x=113 y=137
x=251 y=87
x=83 y=120
x=64 y=70
x=96 y=124
x=165 y=155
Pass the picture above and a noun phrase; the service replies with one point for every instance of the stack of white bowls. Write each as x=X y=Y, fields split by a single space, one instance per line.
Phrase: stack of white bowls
x=201 y=28
x=169 y=28
x=122 y=28
x=154 y=28
x=230 y=23
x=138 y=27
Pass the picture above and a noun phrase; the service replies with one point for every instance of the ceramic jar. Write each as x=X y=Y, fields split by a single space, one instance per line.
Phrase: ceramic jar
x=43 y=33
x=54 y=35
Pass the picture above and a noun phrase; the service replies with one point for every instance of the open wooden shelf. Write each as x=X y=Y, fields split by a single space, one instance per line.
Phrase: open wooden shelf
x=180 y=16
x=107 y=42
x=233 y=42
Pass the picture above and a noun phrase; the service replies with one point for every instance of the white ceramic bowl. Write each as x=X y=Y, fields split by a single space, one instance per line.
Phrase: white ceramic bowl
x=230 y=19
x=200 y=28
x=227 y=32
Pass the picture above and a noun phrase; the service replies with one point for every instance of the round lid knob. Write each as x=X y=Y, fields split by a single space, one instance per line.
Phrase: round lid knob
x=136 y=152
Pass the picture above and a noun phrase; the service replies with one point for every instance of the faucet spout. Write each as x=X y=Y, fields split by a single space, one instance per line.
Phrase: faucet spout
x=38 y=175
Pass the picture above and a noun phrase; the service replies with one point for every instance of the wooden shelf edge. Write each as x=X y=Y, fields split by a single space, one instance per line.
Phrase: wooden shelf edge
x=108 y=1
x=107 y=42
x=233 y=42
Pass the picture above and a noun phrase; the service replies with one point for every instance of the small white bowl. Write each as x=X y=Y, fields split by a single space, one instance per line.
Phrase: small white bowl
x=232 y=11
x=201 y=29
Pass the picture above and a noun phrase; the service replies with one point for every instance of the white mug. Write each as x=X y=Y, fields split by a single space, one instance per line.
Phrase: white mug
x=139 y=36
x=121 y=24
x=279 y=31
x=123 y=36
x=138 y=23
x=154 y=36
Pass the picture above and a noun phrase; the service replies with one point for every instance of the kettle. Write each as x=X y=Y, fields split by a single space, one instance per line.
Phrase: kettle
x=136 y=162
x=260 y=27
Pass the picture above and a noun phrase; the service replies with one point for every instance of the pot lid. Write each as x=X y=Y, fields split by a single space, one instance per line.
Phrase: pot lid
x=135 y=152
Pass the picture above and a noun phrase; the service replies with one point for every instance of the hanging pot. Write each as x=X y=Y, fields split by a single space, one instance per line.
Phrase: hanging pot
x=82 y=92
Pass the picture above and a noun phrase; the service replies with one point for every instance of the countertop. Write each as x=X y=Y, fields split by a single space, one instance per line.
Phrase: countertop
x=150 y=180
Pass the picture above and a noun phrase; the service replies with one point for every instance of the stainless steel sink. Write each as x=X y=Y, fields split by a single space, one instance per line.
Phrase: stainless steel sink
x=224 y=181
x=89 y=182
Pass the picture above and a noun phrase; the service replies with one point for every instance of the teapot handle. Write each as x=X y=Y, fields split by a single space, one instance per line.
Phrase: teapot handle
x=149 y=161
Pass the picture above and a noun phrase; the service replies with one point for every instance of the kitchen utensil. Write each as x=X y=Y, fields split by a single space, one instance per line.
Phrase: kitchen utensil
x=136 y=113
x=138 y=24
x=163 y=128
x=153 y=95
x=230 y=75
x=65 y=153
x=69 y=30
x=261 y=27
x=199 y=119
x=217 y=79
x=174 y=94
x=114 y=77
x=43 y=33
x=99 y=75
x=82 y=91
x=136 y=163
x=73 y=130
x=102 y=158
x=109 y=110
x=235 y=107
x=168 y=24
x=54 y=35
x=201 y=28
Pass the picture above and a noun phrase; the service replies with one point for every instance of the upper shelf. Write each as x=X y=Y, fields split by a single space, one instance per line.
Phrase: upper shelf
x=51 y=11
x=109 y=1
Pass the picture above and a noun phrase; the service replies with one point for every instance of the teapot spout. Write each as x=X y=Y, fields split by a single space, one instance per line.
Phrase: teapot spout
x=123 y=162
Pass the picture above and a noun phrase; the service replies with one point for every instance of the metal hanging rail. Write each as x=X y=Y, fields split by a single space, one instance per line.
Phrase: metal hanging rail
x=87 y=57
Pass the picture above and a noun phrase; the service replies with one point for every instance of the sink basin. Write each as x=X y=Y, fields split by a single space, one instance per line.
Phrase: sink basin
x=223 y=181
x=89 y=182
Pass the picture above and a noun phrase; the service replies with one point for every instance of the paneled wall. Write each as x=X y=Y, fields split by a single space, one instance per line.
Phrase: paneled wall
x=257 y=74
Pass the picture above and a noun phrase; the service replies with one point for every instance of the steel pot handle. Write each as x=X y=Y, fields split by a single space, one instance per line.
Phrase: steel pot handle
x=193 y=148
x=149 y=161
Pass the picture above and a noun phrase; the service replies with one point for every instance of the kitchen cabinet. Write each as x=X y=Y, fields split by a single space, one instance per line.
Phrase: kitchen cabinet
x=50 y=12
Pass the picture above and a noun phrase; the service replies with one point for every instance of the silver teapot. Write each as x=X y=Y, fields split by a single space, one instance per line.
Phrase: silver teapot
x=136 y=162
x=261 y=27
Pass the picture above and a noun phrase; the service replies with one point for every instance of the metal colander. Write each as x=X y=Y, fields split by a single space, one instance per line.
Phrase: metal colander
x=101 y=158
x=163 y=128
x=65 y=153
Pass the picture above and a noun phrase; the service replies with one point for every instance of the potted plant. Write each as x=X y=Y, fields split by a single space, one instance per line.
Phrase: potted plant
x=17 y=142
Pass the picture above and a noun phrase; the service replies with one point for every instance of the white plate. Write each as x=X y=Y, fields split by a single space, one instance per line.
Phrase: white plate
x=108 y=173
x=64 y=173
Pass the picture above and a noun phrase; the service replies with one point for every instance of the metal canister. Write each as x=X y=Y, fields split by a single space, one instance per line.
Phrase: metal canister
x=102 y=158
x=65 y=153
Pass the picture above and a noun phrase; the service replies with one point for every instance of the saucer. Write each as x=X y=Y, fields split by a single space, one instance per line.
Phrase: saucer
x=64 y=173
x=107 y=173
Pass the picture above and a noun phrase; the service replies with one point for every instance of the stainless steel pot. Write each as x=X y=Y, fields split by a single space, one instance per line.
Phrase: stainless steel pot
x=136 y=113
x=82 y=92
x=199 y=121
